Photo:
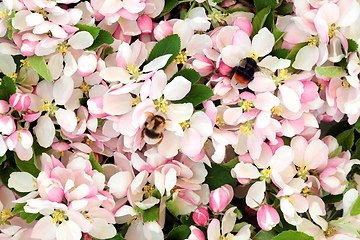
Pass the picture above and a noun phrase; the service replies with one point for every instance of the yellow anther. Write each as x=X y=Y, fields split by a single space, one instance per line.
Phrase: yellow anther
x=346 y=85
x=42 y=12
x=302 y=170
x=284 y=74
x=148 y=189
x=62 y=48
x=253 y=55
x=245 y=130
x=290 y=200
x=90 y=218
x=133 y=70
x=133 y=220
x=185 y=125
x=88 y=141
x=227 y=237
x=85 y=87
x=18 y=137
x=331 y=231
x=162 y=105
x=247 y=105
x=276 y=110
x=220 y=120
x=332 y=29
x=206 y=145
x=61 y=153
x=4 y=13
x=312 y=41
x=181 y=58
x=5 y=214
x=47 y=107
x=321 y=86
x=13 y=76
x=266 y=172
x=121 y=19
x=305 y=191
x=58 y=216
x=35 y=183
x=135 y=101
x=25 y=63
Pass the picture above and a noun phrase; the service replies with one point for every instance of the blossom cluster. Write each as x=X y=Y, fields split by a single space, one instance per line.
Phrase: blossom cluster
x=154 y=119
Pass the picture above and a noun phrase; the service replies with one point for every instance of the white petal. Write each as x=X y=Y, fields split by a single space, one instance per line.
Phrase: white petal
x=157 y=63
x=263 y=42
x=180 y=112
x=45 y=131
x=306 y=58
x=63 y=89
x=66 y=119
x=81 y=40
x=177 y=88
x=22 y=182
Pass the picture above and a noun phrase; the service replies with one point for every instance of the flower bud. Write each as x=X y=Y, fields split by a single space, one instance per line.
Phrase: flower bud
x=4 y=107
x=145 y=24
x=196 y=234
x=7 y=124
x=267 y=217
x=203 y=65
x=201 y=216
x=220 y=198
x=19 y=101
x=243 y=24
x=162 y=30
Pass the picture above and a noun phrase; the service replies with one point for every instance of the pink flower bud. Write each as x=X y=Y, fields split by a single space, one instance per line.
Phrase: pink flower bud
x=19 y=101
x=145 y=24
x=243 y=24
x=201 y=216
x=220 y=198
x=4 y=107
x=7 y=124
x=224 y=69
x=267 y=217
x=162 y=30
x=203 y=65
x=196 y=234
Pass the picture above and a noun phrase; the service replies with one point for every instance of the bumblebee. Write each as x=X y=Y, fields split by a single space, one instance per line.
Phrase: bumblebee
x=244 y=73
x=153 y=129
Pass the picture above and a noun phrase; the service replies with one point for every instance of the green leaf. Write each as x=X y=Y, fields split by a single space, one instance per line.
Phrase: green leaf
x=108 y=50
x=94 y=31
x=269 y=22
x=179 y=233
x=94 y=163
x=231 y=164
x=169 y=5
x=285 y=8
x=278 y=39
x=294 y=51
x=172 y=207
x=7 y=88
x=104 y=37
x=156 y=194
x=332 y=198
x=280 y=53
x=292 y=235
x=259 y=20
x=356 y=153
x=187 y=219
x=338 y=128
x=357 y=125
x=168 y=45
x=346 y=139
x=188 y=73
x=355 y=209
x=8 y=24
x=196 y=95
x=238 y=213
x=336 y=153
x=19 y=207
x=331 y=71
x=261 y=4
x=27 y=166
x=149 y=215
x=2 y=159
x=352 y=45
x=39 y=65
x=265 y=235
x=218 y=176
x=30 y=217
x=38 y=150
x=345 y=225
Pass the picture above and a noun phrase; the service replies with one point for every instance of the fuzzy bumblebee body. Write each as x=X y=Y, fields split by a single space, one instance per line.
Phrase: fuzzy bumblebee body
x=244 y=73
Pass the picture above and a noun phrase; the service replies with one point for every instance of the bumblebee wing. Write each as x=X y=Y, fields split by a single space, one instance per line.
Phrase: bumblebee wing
x=266 y=71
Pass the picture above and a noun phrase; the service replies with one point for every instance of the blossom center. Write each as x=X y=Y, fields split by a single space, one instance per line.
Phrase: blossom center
x=133 y=220
x=185 y=125
x=5 y=214
x=42 y=12
x=331 y=231
x=302 y=170
x=58 y=216
x=266 y=174
x=133 y=70
x=25 y=63
x=276 y=110
x=253 y=55
x=62 y=48
x=332 y=29
x=227 y=237
x=85 y=88
x=135 y=101
x=13 y=76
x=246 y=128
x=305 y=191
x=312 y=41
x=346 y=85
x=181 y=58
x=148 y=189
x=247 y=105
x=89 y=217
x=220 y=120
x=48 y=107
x=4 y=13
x=162 y=105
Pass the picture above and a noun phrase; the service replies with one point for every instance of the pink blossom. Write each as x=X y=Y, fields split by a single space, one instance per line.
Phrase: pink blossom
x=267 y=217
x=220 y=198
x=19 y=101
x=201 y=216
